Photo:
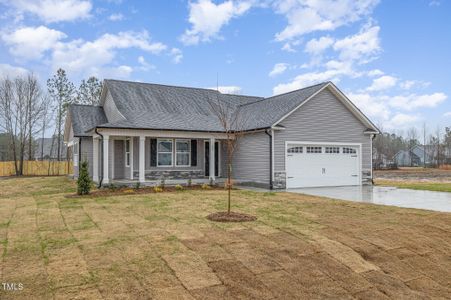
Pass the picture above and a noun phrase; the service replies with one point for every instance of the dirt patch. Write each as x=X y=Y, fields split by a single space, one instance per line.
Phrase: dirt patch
x=415 y=174
x=224 y=216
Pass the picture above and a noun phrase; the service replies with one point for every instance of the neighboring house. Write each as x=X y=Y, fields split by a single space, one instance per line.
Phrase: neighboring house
x=142 y=132
x=414 y=157
x=47 y=149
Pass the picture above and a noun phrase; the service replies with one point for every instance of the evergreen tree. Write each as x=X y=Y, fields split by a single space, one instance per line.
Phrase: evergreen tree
x=84 y=181
x=62 y=91
x=89 y=91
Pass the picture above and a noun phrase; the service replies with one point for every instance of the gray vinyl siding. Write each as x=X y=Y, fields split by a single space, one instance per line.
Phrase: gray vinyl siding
x=322 y=119
x=85 y=154
x=251 y=159
x=110 y=109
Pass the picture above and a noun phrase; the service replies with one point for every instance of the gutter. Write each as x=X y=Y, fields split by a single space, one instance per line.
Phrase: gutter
x=271 y=187
x=79 y=156
x=101 y=159
x=372 y=167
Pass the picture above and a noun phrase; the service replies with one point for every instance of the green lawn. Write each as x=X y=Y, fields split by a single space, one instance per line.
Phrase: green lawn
x=161 y=246
x=416 y=185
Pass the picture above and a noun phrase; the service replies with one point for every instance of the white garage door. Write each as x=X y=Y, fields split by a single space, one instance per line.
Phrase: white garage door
x=310 y=165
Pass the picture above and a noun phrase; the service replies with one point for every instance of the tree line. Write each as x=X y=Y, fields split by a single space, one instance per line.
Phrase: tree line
x=28 y=111
x=436 y=145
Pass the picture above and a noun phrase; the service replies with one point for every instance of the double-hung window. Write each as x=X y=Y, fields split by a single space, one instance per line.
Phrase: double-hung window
x=182 y=153
x=127 y=153
x=164 y=153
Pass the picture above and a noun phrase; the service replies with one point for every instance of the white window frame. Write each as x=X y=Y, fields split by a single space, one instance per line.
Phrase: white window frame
x=177 y=152
x=172 y=153
x=127 y=153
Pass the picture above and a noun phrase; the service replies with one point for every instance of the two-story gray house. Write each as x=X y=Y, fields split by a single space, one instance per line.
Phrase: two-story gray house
x=143 y=132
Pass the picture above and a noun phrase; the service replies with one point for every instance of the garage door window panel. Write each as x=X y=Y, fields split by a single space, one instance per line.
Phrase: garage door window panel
x=314 y=149
x=332 y=150
x=348 y=150
x=296 y=149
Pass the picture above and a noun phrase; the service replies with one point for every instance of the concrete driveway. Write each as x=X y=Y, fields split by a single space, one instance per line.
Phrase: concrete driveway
x=438 y=201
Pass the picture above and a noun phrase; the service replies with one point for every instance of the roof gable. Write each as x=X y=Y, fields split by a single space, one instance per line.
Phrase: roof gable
x=85 y=117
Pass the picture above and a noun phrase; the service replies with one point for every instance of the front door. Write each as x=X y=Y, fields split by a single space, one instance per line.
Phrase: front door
x=207 y=158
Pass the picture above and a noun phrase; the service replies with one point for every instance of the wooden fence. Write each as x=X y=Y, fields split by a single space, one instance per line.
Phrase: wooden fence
x=37 y=168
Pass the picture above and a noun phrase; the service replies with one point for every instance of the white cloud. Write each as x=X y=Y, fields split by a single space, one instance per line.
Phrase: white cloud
x=334 y=71
x=115 y=72
x=382 y=83
x=89 y=56
x=145 y=66
x=305 y=16
x=55 y=10
x=177 y=55
x=116 y=17
x=229 y=89
x=306 y=79
x=7 y=70
x=207 y=19
x=361 y=47
x=317 y=46
x=402 y=120
x=371 y=106
x=447 y=114
x=408 y=84
x=278 y=69
x=32 y=42
x=414 y=101
x=375 y=72
x=289 y=46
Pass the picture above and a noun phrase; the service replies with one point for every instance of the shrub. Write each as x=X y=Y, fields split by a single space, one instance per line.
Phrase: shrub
x=157 y=189
x=190 y=182
x=113 y=187
x=84 y=181
x=178 y=187
x=137 y=185
x=205 y=186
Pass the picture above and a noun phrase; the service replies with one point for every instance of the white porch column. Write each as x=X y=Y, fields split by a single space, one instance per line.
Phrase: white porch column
x=106 y=142
x=141 y=162
x=95 y=159
x=131 y=157
x=212 y=159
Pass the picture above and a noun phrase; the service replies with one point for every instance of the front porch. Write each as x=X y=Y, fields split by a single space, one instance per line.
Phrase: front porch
x=125 y=157
x=170 y=182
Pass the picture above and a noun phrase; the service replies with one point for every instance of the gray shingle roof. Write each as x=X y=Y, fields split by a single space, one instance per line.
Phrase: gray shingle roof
x=86 y=117
x=154 y=106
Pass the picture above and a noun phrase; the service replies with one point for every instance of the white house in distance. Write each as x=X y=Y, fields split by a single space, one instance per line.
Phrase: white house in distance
x=143 y=132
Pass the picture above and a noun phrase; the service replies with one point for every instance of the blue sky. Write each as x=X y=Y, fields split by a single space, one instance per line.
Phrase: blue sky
x=392 y=58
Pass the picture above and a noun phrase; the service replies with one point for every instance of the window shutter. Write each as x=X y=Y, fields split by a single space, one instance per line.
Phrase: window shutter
x=193 y=153
x=153 y=152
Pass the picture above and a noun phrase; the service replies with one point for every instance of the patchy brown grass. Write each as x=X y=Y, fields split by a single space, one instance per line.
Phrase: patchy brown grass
x=161 y=246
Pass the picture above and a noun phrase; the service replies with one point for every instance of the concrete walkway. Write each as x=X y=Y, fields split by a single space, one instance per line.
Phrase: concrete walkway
x=438 y=201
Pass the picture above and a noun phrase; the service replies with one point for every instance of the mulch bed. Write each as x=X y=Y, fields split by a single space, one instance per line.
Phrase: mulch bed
x=224 y=216
x=106 y=192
